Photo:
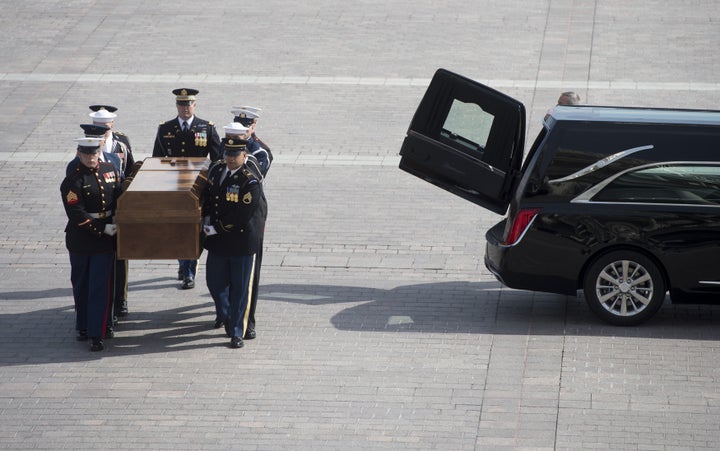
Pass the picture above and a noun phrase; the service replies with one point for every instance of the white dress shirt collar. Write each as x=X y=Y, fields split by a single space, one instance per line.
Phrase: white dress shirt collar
x=189 y=121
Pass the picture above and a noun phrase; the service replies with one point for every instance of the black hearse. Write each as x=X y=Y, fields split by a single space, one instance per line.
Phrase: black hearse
x=621 y=203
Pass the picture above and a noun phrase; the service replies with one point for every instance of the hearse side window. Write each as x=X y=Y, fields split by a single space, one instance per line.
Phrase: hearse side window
x=574 y=147
x=467 y=126
x=671 y=183
x=582 y=145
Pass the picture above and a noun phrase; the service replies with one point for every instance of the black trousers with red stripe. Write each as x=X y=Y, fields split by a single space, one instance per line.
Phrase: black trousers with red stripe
x=92 y=283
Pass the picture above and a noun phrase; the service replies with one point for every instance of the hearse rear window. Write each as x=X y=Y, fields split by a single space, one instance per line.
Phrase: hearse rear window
x=468 y=126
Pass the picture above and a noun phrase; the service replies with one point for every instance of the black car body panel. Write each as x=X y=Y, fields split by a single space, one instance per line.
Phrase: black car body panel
x=553 y=253
x=642 y=184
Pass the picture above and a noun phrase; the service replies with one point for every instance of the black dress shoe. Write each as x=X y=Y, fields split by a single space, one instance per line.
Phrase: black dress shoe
x=97 y=344
x=81 y=335
x=180 y=275
x=236 y=342
x=122 y=310
x=188 y=283
x=218 y=323
x=250 y=334
x=109 y=333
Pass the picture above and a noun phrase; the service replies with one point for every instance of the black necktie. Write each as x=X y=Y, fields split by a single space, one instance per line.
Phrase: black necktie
x=225 y=176
x=185 y=126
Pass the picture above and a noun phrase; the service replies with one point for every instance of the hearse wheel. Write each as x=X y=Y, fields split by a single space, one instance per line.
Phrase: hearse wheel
x=624 y=288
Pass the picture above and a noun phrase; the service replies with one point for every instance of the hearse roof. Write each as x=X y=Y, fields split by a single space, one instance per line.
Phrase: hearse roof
x=590 y=113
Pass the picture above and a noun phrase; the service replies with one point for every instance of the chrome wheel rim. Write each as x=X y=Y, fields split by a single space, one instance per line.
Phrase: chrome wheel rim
x=624 y=288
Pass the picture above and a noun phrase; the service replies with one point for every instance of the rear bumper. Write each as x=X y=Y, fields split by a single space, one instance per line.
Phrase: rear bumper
x=529 y=264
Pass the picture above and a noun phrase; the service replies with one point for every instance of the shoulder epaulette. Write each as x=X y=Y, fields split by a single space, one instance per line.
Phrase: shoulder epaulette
x=250 y=175
x=216 y=164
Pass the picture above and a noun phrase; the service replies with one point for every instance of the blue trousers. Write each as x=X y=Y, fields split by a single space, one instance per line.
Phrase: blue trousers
x=92 y=282
x=188 y=268
x=229 y=280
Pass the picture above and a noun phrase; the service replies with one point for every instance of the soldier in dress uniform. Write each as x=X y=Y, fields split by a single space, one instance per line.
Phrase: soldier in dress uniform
x=259 y=159
x=89 y=194
x=233 y=224
x=187 y=136
x=248 y=116
x=116 y=143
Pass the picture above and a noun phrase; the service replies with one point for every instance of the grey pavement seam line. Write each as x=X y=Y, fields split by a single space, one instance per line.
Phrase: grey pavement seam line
x=364 y=81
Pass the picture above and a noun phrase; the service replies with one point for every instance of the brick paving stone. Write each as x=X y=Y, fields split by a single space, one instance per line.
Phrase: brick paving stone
x=378 y=325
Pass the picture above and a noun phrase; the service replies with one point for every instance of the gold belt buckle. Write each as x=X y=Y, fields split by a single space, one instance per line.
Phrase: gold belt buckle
x=102 y=215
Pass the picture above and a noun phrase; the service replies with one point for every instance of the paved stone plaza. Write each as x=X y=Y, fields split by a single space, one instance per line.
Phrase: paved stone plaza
x=378 y=325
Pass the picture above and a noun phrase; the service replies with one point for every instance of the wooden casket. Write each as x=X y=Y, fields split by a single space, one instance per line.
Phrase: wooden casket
x=158 y=216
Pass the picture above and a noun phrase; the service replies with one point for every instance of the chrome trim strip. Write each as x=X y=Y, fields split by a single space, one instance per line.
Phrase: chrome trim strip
x=587 y=195
x=663 y=204
x=709 y=282
x=602 y=163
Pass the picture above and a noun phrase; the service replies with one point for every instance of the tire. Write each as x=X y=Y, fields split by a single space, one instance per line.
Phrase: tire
x=624 y=288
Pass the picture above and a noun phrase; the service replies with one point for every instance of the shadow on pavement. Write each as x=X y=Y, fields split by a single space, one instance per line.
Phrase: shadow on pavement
x=485 y=308
x=47 y=335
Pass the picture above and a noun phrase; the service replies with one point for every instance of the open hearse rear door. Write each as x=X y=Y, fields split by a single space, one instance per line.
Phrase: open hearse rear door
x=468 y=139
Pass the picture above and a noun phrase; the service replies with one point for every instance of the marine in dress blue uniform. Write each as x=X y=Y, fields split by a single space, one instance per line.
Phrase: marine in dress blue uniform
x=187 y=136
x=116 y=143
x=233 y=225
x=89 y=194
x=95 y=131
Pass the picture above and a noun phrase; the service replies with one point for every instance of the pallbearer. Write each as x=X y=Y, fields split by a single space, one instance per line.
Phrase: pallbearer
x=187 y=136
x=248 y=117
x=233 y=224
x=89 y=193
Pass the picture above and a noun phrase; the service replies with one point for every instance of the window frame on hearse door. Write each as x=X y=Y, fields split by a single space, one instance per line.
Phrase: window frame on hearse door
x=468 y=139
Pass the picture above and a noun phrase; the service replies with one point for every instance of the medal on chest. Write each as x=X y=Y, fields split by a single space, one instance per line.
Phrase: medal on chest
x=233 y=193
x=201 y=139
x=109 y=177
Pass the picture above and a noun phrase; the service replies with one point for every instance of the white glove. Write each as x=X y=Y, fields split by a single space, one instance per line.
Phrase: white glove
x=110 y=229
x=209 y=230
